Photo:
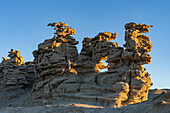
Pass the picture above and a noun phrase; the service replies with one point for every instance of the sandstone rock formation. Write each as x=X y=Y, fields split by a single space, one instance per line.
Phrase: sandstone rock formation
x=53 y=64
x=93 y=52
x=64 y=75
x=61 y=80
x=15 y=58
x=136 y=54
x=16 y=77
x=159 y=97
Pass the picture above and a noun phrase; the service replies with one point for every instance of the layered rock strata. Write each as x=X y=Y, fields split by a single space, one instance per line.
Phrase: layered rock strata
x=16 y=77
x=15 y=58
x=64 y=75
x=53 y=64
x=94 y=51
x=135 y=55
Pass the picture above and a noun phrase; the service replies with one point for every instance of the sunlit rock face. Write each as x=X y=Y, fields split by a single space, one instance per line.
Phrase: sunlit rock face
x=15 y=58
x=137 y=45
x=93 y=52
x=63 y=75
x=53 y=64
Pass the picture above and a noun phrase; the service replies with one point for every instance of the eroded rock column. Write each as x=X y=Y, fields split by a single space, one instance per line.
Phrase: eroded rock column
x=137 y=47
x=53 y=64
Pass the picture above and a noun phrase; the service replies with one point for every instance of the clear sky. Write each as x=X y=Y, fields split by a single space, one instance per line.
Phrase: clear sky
x=23 y=25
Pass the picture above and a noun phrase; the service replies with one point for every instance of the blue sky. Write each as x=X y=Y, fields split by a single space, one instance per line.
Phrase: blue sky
x=23 y=25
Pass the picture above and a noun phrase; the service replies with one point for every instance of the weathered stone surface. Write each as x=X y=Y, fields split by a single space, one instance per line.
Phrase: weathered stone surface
x=62 y=29
x=138 y=45
x=53 y=64
x=16 y=77
x=67 y=80
x=150 y=106
x=159 y=97
x=14 y=72
x=93 y=52
x=15 y=58
x=64 y=75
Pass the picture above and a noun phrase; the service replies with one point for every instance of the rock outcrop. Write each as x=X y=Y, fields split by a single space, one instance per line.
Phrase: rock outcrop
x=53 y=64
x=15 y=58
x=61 y=80
x=135 y=55
x=159 y=97
x=64 y=75
x=16 y=77
x=94 y=51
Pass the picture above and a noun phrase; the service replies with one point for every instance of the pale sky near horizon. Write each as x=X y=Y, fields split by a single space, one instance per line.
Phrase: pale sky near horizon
x=23 y=25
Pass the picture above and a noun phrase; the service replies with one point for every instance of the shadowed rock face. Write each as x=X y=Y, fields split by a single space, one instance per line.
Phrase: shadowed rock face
x=15 y=73
x=53 y=64
x=16 y=77
x=64 y=75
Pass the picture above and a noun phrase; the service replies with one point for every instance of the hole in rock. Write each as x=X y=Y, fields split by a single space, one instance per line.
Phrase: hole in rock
x=105 y=63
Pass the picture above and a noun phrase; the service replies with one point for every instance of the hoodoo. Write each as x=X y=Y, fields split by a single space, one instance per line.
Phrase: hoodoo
x=63 y=75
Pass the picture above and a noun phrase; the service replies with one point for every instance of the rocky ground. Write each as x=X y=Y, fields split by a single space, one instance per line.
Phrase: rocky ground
x=156 y=104
x=139 y=108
